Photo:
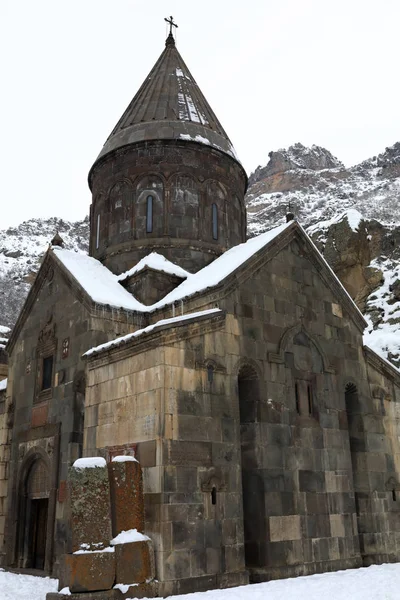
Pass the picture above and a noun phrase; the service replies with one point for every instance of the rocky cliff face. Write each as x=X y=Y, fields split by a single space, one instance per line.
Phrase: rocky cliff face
x=352 y=215
x=21 y=249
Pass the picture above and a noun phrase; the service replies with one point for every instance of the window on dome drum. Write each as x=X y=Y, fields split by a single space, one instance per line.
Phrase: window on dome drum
x=47 y=373
x=215 y=221
x=149 y=214
x=98 y=232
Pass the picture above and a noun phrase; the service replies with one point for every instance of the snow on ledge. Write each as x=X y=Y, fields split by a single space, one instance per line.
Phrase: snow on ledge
x=148 y=329
x=127 y=537
x=3 y=385
x=89 y=463
x=123 y=458
x=66 y=591
x=107 y=549
x=158 y=263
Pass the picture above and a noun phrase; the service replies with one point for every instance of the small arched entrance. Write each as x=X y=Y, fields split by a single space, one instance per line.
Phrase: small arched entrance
x=34 y=516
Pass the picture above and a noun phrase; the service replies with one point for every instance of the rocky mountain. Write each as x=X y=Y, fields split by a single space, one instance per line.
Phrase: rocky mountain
x=352 y=215
x=21 y=249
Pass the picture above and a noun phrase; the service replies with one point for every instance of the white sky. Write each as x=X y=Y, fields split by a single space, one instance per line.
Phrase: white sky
x=274 y=71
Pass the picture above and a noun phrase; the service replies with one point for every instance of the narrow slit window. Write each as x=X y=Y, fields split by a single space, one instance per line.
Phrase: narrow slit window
x=310 y=399
x=149 y=214
x=98 y=232
x=215 y=221
x=214 y=495
x=297 y=396
x=394 y=495
x=47 y=375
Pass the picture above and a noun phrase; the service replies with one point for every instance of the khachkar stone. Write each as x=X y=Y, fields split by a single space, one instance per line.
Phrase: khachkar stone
x=89 y=490
x=126 y=487
x=101 y=568
x=134 y=555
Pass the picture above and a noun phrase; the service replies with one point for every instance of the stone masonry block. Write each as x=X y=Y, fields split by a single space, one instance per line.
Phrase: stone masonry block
x=285 y=528
x=134 y=562
x=88 y=572
x=126 y=486
x=90 y=507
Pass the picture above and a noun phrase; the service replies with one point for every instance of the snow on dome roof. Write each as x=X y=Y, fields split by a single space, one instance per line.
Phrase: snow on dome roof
x=98 y=282
x=158 y=263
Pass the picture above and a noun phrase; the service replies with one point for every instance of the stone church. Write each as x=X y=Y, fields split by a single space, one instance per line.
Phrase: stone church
x=234 y=371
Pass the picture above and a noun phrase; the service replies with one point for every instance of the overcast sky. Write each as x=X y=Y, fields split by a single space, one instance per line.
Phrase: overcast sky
x=274 y=71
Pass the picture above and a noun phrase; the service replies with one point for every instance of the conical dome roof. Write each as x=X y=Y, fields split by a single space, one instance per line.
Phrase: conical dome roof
x=169 y=105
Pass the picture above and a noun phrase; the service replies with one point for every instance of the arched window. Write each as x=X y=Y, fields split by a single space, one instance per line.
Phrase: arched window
x=98 y=232
x=214 y=221
x=149 y=214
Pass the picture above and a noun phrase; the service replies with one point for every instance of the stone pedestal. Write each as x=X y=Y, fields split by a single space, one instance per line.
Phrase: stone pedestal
x=134 y=562
x=94 y=571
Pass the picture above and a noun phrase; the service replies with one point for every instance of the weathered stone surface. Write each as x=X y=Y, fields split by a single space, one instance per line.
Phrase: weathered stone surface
x=87 y=572
x=126 y=486
x=89 y=490
x=134 y=562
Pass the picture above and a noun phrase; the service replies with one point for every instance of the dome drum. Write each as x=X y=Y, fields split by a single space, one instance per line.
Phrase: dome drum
x=182 y=199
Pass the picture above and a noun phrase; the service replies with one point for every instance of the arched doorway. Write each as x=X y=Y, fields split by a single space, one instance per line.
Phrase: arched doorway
x=34 y=516
x=252 y=481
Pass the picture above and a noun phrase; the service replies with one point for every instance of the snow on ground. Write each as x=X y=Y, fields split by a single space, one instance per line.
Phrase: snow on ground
x=373 y=583
x=25 y=587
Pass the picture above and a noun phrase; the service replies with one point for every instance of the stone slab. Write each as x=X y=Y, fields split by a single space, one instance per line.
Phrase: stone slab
x=90 y=572
x=134 y=562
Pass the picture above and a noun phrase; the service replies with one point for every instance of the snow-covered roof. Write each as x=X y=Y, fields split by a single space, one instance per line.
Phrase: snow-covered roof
x=223 y=266
x=161 y=323
x=104 y=287
x=3 y=385
x=158 y=263
x=98 y=282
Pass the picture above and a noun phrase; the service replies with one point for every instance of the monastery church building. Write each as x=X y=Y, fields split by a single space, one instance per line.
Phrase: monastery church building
x=233 y=370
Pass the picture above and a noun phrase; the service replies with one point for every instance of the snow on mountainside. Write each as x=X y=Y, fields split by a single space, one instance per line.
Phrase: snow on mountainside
x=352 y=215
x=21 y=249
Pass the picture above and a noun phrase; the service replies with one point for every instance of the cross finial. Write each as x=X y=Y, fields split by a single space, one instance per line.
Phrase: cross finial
x=170 y=39
x=171 y=23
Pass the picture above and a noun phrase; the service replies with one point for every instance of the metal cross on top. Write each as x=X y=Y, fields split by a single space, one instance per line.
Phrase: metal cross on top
x=171 y=23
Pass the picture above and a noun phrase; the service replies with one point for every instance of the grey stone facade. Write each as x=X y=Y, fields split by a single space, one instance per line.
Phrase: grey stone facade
x=267 y=433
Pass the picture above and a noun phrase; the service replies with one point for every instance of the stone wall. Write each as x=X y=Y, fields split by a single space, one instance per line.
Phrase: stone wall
x=48 y=424
x=6 y=417
x=184 y=180
x=257 y=460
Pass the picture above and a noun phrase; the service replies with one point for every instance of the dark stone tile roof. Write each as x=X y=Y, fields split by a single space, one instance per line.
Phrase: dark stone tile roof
x=169 y=105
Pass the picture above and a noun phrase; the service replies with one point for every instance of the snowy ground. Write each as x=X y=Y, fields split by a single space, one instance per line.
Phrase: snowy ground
x=373 y=583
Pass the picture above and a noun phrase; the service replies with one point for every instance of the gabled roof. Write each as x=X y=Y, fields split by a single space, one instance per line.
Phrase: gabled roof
x=157 y=262
x=169 y=105
x=101 y=285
